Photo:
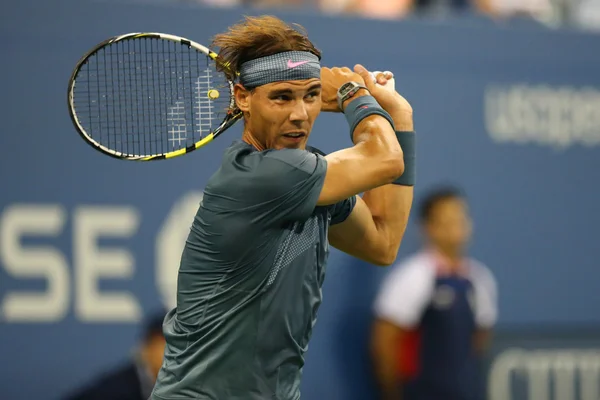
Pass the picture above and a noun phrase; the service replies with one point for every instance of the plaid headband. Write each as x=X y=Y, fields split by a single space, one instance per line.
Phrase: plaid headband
x=286 y=66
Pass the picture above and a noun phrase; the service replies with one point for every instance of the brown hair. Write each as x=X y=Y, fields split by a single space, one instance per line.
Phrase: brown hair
x=257 y=37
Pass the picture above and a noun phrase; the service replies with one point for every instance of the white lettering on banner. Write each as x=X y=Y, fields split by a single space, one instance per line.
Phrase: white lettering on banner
x=558 y=117
x=45 y=262
x=93 y=263
x=550 y=374
x=170 y=242
x=40 y=262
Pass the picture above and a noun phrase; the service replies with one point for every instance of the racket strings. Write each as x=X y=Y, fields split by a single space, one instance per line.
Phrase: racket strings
x=148 y=96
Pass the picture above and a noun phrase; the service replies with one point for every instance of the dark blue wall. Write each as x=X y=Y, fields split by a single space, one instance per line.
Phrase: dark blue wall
x=510 y=113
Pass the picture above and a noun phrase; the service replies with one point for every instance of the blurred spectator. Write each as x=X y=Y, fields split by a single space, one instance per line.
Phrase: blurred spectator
x=444 y=7
x=221 y=3
x=395 y=9
x=279 y=3
x=259 y=3
x=134 y=379
x=435 y=311
x=539 y=9
x=381 y=9
x=586 y=14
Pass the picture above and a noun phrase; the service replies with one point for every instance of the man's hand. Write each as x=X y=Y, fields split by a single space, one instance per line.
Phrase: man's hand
x=382 y=89
x=331 y=80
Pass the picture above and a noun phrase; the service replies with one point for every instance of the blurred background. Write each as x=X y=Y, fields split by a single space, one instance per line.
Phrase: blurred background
x=506 y=96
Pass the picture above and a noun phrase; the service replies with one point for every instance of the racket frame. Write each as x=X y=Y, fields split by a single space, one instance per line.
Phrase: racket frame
x=233 y=116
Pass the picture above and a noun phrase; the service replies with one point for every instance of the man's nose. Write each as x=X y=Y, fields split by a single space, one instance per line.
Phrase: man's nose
x=299 y=111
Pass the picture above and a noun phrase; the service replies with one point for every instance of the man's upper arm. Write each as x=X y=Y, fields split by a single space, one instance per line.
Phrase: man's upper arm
x=354 y=233
x=372 y=162
x=405 y=294
x=342 y=210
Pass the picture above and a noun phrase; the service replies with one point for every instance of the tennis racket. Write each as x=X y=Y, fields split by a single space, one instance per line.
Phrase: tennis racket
x=150 y=96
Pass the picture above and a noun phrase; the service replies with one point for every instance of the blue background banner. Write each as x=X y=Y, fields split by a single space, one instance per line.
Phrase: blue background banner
x=90 y=244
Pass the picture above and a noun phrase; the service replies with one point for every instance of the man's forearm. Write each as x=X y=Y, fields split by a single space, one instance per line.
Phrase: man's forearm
x=403 y=120
x=390 y=204
x=387 y=378
x=390 y=207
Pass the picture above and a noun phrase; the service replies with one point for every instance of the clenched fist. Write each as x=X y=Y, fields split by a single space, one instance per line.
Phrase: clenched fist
x=331 y=80
x=382 y=88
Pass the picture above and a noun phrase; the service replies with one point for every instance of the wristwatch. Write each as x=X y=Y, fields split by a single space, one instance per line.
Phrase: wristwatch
x=346 y=91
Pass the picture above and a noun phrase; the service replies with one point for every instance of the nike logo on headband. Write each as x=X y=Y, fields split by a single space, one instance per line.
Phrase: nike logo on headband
x=292 y=64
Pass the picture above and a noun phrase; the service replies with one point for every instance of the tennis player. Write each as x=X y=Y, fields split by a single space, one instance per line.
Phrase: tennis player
x=251 y=272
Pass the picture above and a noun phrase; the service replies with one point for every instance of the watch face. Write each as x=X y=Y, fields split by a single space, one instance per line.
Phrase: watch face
x=346 y=88
x=345 y=91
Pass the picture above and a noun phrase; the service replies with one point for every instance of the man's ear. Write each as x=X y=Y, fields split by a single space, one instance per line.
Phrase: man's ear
x=242 y=97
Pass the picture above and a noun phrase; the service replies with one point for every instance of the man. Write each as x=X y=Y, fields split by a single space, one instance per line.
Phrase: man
x=134 y=379
x=435 y=311
x=249 y=282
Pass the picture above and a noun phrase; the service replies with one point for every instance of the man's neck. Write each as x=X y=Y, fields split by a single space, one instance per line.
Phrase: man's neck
x=251 y=140
x=452 y=257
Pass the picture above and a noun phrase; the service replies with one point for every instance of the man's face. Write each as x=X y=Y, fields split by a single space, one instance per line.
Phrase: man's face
x=281 y=114
x=449 y=225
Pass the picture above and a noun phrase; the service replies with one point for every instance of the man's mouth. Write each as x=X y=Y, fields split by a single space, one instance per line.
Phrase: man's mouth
x=294 y=135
